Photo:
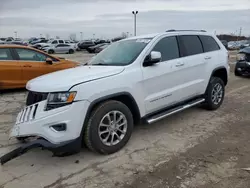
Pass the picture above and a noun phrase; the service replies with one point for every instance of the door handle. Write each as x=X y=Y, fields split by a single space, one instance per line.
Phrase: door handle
x=179 y=64
x=208 y=57
x=27 y=66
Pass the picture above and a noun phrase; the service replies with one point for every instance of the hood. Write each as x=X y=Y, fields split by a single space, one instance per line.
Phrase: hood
x=65 y=79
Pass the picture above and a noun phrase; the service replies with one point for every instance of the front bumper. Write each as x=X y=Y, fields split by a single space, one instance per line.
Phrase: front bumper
x=62 y=149
x=33 y=120
x=243 y=67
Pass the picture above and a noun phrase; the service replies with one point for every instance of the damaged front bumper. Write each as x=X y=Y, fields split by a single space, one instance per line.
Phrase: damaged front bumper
x=62 y=149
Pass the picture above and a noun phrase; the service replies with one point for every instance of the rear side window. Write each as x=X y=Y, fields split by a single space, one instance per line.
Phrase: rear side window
x=190 y=45
x=61 y=41
x=5 y=54
x=209 y=44
x=168 y=47
x=54 y=42
x=30 y=55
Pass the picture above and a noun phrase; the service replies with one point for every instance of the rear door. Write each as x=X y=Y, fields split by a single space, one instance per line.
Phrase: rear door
x=192 y=67
x=33 y=63
x=212 y=55
x=59 y=48
x=10 y=70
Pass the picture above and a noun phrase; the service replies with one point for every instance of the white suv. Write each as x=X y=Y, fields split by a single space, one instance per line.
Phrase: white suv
x=143 y=78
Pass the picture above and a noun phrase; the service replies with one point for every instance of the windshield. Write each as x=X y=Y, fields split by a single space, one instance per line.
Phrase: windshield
x=120 y=53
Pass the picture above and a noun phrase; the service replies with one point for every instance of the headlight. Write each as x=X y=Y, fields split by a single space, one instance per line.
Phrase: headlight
x=241 y=57
x=56 y=100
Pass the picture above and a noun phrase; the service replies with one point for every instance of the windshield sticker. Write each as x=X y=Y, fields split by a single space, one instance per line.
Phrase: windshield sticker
x=143 y=40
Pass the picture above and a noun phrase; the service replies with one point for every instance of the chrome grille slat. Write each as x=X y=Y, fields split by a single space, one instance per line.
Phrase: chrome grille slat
x=24 y=114
x=31 y=112
x=21 y=116
x=28 y=113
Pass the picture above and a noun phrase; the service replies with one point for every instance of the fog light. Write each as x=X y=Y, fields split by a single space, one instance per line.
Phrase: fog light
x=59 y=127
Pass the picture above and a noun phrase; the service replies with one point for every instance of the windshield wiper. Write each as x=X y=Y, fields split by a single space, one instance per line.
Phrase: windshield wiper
x=100 y=64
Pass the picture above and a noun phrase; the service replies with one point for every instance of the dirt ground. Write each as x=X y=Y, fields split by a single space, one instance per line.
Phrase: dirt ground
x=220 y=161
x=193 y=149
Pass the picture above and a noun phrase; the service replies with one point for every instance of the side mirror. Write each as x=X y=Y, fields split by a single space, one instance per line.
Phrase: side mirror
x=152 y=58
x=49 y=61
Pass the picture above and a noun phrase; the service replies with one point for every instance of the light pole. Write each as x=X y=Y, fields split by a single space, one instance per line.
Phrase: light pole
x=94 y=36
x=15 y=34
x=81 y=35
x=135 y=13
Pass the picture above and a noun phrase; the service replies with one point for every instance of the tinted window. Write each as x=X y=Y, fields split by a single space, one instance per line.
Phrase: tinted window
x=209 y=44
x=5 y=54
x=190 y=45
x=61 y=41
x=30 y=55
x=55 y=42
x=168 y=47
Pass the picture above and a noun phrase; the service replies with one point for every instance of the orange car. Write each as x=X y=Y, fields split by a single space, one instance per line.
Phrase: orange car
x=19 y=64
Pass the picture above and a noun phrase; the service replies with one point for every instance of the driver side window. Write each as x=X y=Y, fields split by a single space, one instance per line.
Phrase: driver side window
x=30 y=55
x=168 y=47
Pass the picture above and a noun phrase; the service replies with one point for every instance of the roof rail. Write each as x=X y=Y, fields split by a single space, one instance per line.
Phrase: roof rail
x=173 y=30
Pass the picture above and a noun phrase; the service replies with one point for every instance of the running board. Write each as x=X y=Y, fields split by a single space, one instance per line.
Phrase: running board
x=169 y=112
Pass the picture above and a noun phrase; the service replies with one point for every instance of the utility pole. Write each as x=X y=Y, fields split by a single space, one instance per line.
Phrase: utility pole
x=81 y=35
x=240 y=31
x=135 y=13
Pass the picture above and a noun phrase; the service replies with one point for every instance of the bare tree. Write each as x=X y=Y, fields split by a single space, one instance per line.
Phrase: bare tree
x=72 y=36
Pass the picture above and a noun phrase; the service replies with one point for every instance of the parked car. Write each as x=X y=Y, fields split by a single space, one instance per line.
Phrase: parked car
x=100 y=48
x=8 y=39
x=19 y=64
x=85 y=44
x=57 y=41
x=59 y=48
x=224 y=42
x=242 y=66
x=19 y=43
x=39 y=41
x=143 y=78
x=92 y=49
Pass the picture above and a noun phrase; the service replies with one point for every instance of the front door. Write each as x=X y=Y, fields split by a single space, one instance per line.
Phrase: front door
x=33 y=64
x=10 y=70
x=162 y=81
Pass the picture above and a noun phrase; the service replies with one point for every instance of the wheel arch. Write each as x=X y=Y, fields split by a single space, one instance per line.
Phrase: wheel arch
x=124 y=97
x=220 y=72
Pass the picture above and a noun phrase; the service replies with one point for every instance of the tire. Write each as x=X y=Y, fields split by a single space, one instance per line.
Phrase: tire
x=91 y=134
x=209 y=103
x=237 y=73
x=51 y=51
x=71 y=51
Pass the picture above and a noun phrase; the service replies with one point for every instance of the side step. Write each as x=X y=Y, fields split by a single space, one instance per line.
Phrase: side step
x=171 y=111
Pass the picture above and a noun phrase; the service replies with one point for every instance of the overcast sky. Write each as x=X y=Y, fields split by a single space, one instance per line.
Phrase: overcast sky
x=109 y=18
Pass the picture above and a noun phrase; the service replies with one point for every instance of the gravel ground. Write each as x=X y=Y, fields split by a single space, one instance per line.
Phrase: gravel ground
x=195 y=148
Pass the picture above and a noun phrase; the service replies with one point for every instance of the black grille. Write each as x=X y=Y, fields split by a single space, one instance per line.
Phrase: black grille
x=35 y=97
